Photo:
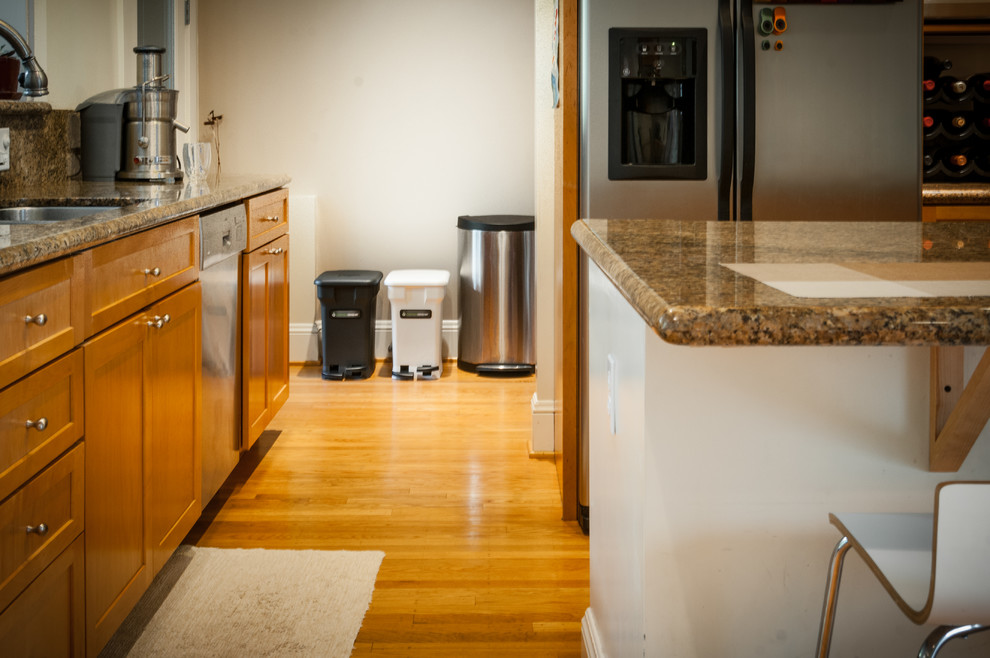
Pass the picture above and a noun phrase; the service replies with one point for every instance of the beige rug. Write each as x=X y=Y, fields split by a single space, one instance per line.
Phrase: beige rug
x=234 y=602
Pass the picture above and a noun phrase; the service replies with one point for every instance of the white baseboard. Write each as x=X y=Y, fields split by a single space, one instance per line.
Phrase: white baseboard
x=591 y=644
x=304 y=345
x=304 y=342
x=543 y=420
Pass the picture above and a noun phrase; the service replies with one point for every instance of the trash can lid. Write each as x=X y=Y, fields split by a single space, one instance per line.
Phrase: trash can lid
x=349 y=278
x=417 y=278
x=496 y=222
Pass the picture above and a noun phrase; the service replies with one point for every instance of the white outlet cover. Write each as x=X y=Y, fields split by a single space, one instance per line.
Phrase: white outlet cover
x=610 y=375
x=4 y=149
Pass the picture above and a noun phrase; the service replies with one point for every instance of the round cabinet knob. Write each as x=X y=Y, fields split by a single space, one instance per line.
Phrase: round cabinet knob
x=153 y=271
x=39 y=424
x=41 y=319
x=41 y=529
x=159 y=321
x=272 y=218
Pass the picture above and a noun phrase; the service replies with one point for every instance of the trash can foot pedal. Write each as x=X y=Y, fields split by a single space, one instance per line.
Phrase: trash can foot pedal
x=427 y=371
x=354 y=371
x=336 y=376
x=403 y=375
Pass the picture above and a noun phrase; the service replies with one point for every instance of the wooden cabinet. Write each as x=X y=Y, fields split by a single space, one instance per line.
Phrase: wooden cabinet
x=41 y=460
x=955 y=213
x=126 y=275
x=265 y=315
x=143 y=453
x=268 y=218
x=39 y=521
x=172 y=410
x=40 y=417
x=47 y=618
x=42 y=316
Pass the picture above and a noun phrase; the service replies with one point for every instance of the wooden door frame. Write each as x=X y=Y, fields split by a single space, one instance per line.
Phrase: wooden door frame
x=566 y=301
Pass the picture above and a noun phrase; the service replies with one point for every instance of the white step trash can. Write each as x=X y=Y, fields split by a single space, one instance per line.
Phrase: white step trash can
x=416 y=297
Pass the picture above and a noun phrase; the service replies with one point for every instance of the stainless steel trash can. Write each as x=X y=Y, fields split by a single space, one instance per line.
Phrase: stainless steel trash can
x=496 y=293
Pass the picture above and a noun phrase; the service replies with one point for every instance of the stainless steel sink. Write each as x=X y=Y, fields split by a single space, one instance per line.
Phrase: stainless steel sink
x=47 y=214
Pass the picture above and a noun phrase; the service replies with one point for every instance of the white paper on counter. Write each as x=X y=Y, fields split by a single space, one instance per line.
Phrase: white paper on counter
x=851 y=280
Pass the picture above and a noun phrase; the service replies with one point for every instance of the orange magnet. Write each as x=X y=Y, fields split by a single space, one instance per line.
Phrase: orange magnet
x=779 y=20
x=778 y=46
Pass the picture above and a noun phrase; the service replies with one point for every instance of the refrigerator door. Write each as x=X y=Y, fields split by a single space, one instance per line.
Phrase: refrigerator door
x=600 y=197
x=829 y=121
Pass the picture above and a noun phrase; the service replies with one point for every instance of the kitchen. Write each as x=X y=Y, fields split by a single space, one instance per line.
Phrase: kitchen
x=344 y=213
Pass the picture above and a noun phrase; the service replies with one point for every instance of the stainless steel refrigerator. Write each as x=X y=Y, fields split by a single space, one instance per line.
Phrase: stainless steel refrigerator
x=742 y=110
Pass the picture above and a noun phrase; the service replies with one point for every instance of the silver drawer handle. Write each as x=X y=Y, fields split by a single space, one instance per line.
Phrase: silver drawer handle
x=153 y=272
x=41 y=319
x=41 y=529
x=39 y=424
x=160 y=321
x=271 y=218
x=276 y=250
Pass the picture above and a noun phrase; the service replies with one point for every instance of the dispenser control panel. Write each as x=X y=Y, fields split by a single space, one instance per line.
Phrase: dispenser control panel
x=657 y=109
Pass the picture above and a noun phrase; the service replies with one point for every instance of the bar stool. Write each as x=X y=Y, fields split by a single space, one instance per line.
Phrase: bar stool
x=936 y=567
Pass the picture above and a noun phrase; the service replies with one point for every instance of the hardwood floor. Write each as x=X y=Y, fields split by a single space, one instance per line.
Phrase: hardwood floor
x=437 y=475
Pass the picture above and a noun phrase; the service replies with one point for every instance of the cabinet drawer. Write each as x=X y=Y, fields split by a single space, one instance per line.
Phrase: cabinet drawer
x=41 y=318
x=268 y=218
x=126 y=275
x=54 y=498
x=40 y=417
x=48 y=619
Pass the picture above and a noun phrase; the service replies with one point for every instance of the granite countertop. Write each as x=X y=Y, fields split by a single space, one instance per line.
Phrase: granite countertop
x=139 y=206
x=673 y=273
x=955 y=194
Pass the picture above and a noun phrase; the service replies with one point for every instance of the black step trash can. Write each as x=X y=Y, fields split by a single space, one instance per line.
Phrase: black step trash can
x=347 y=300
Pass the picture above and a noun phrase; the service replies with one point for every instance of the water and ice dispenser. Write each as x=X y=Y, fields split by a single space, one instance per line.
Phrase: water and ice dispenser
x=657 y=108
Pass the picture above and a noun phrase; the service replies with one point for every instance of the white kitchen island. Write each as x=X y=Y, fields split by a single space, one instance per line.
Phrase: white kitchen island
x=728 y=418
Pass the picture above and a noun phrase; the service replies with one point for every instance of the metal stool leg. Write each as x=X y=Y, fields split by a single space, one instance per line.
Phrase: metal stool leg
x=831 y=596
x=941 y=636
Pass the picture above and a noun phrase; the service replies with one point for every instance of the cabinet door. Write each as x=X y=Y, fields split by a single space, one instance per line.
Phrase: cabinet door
x=47 y=618
x=173 y=419
x=118 y=546
x=265 y=323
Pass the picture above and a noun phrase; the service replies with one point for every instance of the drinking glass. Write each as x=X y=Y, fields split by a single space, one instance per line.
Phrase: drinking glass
x=196 y=156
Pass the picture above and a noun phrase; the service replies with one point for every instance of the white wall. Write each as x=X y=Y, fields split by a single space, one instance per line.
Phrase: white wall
x=396 y=116
x=543 y=398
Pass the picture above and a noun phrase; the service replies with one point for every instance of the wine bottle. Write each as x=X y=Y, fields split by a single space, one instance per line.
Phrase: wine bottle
x=958 y=163
x=982 y=125
x=981 y=164
x=931 y=166
x=958 y=125
x=954 y=90
x=931 y=123
x=934 y=67
x=980 y=84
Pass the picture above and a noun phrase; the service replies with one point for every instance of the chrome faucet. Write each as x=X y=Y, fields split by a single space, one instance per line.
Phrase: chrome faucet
x=32 y=78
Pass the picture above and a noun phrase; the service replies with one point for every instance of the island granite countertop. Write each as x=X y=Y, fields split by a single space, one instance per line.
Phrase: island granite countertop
x=675 y=274
x=137 y=206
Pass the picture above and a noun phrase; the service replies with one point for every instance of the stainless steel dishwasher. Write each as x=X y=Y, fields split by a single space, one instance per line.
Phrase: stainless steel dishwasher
x=222 y=238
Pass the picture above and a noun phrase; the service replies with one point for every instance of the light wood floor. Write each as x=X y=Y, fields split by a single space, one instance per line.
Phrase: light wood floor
x=437 y=475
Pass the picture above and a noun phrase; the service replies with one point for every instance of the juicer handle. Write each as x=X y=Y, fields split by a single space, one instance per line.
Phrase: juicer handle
x=180 y=126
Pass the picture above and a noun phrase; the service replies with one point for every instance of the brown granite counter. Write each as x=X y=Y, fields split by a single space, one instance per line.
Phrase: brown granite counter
x=955 y=194
x=674 y=275
x=141 y=206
